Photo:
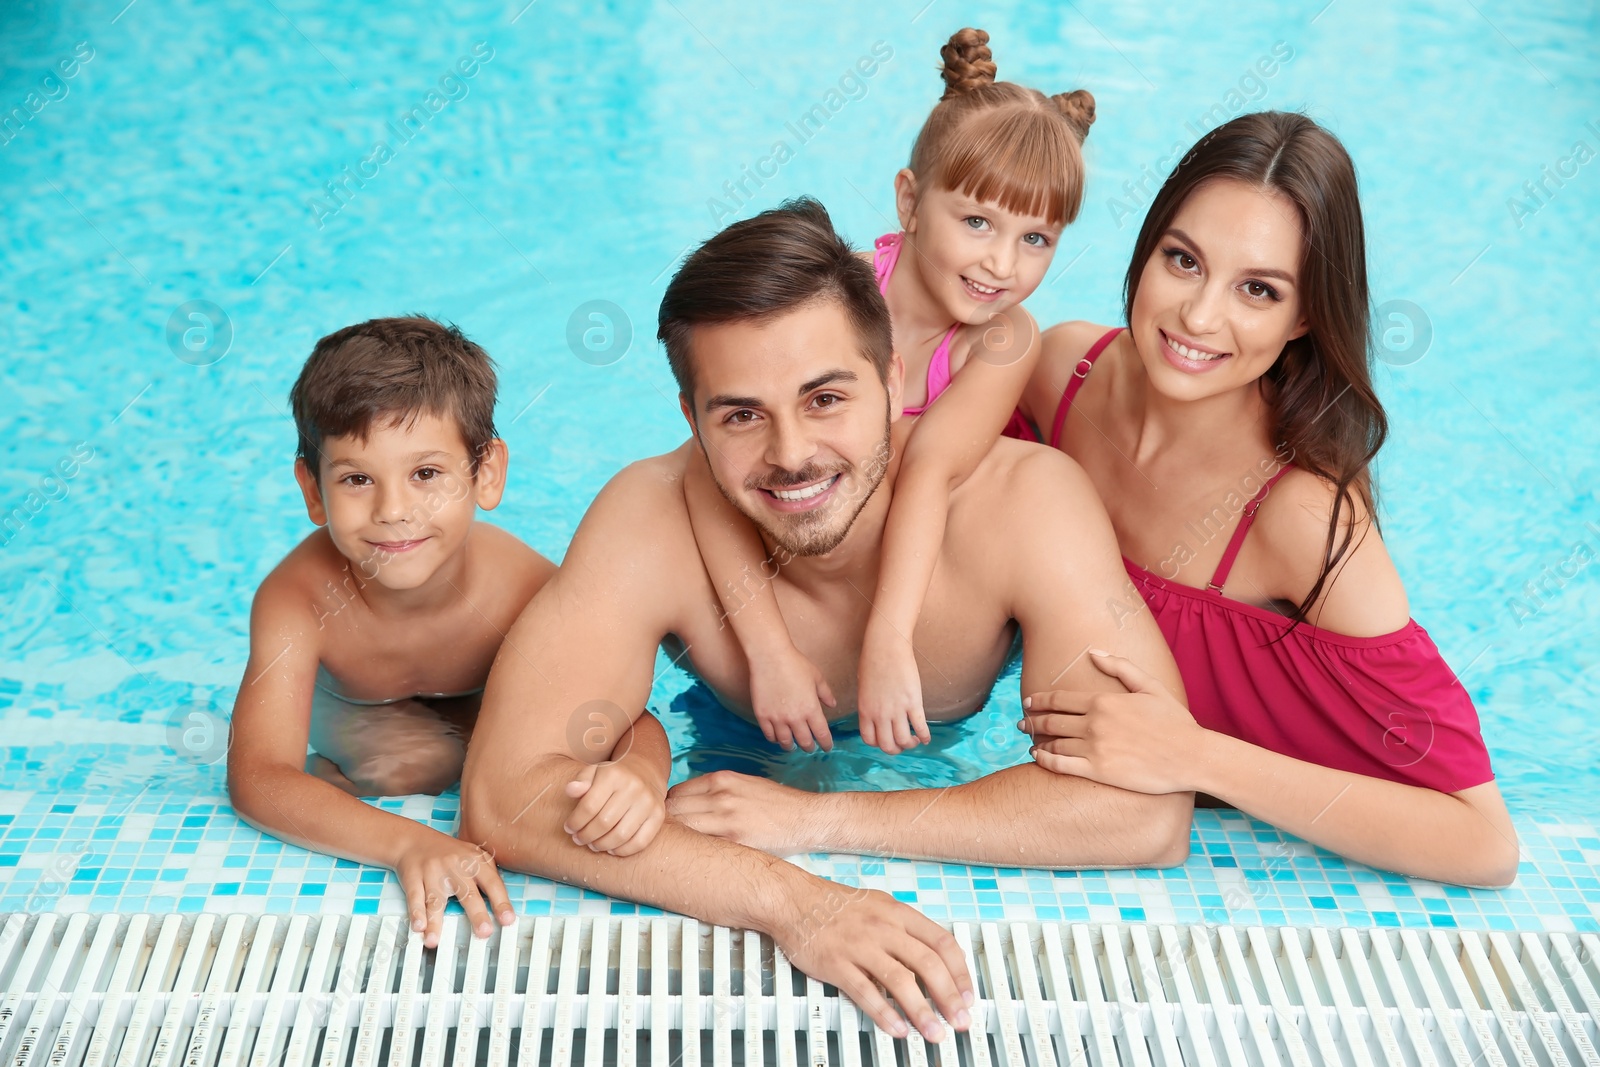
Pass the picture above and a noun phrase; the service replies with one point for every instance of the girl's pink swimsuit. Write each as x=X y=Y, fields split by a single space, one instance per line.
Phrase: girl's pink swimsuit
x=885 y=254
x=1385 y=707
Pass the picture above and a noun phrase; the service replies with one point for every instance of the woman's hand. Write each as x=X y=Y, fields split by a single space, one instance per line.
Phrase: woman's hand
x=1142 y=740
x=439 y=867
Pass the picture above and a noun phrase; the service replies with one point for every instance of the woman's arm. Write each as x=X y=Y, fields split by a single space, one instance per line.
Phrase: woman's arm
x=786 y=690
x=1146 y=740
x=1464 y=837
x=949 y=441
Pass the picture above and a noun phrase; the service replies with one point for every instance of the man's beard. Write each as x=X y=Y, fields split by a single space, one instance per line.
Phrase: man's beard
x=820 y=530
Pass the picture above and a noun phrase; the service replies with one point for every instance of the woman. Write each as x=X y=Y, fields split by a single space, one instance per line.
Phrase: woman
x=1230 y=430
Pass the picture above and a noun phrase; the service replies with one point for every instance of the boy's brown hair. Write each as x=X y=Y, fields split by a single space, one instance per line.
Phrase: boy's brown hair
x=394 y=369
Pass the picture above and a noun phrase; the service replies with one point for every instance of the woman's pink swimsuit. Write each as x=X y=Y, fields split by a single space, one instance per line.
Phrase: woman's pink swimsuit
x=1385 y=707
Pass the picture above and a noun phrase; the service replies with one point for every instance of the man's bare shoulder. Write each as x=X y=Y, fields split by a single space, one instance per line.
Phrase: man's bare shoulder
x=639 y=519
x=1024 y=482
x=1034 y=503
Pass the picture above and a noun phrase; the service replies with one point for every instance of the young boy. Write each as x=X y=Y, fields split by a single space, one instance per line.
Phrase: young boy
x=374 y=637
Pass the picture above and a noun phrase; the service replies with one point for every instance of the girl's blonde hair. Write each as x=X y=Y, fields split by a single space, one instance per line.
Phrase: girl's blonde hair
x=998 y=141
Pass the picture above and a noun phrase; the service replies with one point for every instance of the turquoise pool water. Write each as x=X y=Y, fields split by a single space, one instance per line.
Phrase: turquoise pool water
x=228 y=154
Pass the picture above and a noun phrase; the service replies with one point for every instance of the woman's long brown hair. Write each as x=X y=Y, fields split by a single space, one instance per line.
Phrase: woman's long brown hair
x=1324 y=410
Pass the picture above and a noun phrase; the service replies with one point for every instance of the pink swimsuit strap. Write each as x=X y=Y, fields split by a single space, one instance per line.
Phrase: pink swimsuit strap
x=1079 y=373
x=1237 y=540
x=885 y=254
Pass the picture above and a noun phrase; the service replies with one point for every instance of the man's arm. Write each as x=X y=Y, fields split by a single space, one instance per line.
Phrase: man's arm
x=1064 y=582
x=573 y=673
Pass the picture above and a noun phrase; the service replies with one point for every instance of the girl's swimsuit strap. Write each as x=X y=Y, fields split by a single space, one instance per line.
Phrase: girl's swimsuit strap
x=938 y=371
x=1079 y=373
x=885 y=254
x=1237 y=540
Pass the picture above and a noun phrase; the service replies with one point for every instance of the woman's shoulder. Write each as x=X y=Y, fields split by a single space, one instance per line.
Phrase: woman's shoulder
x=1363 y=595
x=1070 y=341
x=1062 y=346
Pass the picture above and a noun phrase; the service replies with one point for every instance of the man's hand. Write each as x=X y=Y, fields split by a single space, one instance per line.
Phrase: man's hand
x=863 y=942
x=755 y=812
x=890 y=692
x=787 y=694
x=439 y=867
x=620 y=808
x=1142 y=740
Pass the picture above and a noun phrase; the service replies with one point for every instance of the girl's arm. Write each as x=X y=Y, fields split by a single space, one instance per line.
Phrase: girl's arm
x=270 y=789
x=950 y=439
x=1146 y=740
x=786 y=690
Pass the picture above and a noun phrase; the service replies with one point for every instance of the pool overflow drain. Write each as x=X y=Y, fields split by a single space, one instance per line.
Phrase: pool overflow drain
x=669 y=992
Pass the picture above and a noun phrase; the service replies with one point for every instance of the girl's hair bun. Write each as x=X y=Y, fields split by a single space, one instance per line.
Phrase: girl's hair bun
x=1078 y=108
x=968 y=64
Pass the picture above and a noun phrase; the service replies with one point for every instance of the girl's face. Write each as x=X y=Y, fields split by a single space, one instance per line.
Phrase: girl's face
x=1219 y=297
x=977 y=258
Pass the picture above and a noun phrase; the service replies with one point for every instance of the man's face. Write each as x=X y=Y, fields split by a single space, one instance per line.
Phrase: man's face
x=794 y=422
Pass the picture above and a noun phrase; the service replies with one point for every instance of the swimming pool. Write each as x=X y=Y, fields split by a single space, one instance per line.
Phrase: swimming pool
x=221 y=161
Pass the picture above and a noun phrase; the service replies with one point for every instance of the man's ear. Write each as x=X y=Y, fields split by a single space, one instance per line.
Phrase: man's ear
x=311 y=491
x=905 y=199
x=685 y=406
x=490 y=482
x=895 y=381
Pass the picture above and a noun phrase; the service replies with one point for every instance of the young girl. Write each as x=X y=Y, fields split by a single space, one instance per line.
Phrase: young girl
x=995 y=175
x=1230 y=430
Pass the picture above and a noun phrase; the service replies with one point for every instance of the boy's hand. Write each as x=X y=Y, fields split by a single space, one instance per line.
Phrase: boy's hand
x=890 y=694
x=620 y=808
x=440 y=867
x=787 y=693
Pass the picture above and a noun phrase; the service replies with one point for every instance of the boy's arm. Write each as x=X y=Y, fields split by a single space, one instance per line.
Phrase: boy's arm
x=949 y=441
x=270 y=789
x=737 y=563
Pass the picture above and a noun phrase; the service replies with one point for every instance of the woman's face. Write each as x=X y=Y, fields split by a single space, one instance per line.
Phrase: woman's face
x=977 y=258
x=1219 y=297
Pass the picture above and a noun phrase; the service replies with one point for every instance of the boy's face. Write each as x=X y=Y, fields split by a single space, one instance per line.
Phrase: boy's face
x=400 y=503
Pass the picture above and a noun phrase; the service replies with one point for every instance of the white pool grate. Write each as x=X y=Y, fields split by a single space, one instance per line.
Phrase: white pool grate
x=199 y=990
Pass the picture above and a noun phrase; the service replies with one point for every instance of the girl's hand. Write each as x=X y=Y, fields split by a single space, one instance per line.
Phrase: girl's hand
x=439 y=867
x=1143 y=740
x=618 y=811
x=890 y=694
x=787 y=693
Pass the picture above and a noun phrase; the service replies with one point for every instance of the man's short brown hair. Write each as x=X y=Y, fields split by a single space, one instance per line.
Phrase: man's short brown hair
x=394 y=369
x=762 y=267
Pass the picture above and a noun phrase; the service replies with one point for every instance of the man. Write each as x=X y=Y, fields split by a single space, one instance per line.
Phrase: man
x=780 y=343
